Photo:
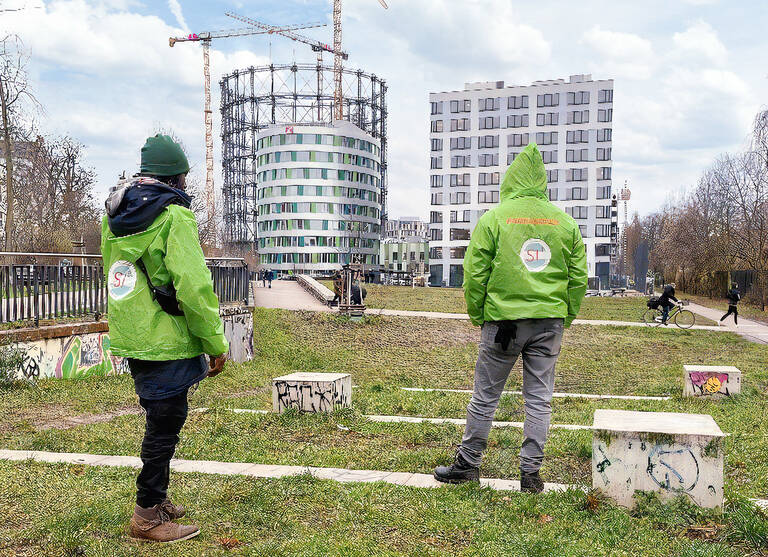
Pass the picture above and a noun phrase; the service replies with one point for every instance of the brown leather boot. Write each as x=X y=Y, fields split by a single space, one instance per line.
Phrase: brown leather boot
x=155 y=525
x=174 y=511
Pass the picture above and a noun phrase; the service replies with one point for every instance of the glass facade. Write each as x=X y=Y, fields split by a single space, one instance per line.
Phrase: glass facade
x=319 y=198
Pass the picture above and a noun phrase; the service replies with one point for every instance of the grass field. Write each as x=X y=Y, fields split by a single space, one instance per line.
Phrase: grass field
x=75 y=510
x=745 y=310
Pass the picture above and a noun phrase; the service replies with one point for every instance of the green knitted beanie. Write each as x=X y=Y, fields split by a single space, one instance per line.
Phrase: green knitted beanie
x=162 y=156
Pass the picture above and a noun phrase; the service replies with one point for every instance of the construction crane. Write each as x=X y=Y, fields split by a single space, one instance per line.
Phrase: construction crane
x=205 y=38
x=337 y=66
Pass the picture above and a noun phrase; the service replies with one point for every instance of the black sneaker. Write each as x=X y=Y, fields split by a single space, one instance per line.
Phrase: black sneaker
x=530 y=482
x=458 y=472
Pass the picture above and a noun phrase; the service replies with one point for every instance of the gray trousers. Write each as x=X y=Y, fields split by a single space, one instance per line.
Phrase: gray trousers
x=538 y=340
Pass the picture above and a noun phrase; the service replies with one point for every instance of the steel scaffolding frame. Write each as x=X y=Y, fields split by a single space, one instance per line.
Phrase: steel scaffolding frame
x=290 y=94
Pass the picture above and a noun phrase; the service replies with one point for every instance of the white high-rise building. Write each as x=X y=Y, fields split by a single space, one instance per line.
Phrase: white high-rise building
x=476 y=133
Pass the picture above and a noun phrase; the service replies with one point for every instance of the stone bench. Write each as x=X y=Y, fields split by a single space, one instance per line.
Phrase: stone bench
x=671 y=454
x=312 y=392
x=319 y=291
x=711 y=381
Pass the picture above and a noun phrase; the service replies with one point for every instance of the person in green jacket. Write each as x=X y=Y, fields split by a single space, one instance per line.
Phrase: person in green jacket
x=525 y=275
x=163 y=317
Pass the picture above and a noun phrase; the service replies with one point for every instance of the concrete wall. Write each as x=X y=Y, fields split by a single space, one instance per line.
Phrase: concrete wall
x=84 y=350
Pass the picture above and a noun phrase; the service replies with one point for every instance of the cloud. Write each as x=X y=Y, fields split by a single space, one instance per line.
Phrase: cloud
x=621 y=54
x=175 y=8
x=701 y=40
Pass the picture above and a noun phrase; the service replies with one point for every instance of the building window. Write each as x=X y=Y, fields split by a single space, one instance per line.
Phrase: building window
x=458 y=143
x=487 y=141
x=488 y=159
x=552 y=193
x=604 y=154
x=460 y=125
x=577 y=211
x=437 y=199
x=578 y=97
x=576 y=155
x=435 y=253
x=604 y=134
x=511 y=157
x=437 y=126
x=488 y=196
x=546 y=138
x=552 y=176
x=437 y=107
x=603 y=192
x=436 y=162
x=461 y=161
x=460 y=180
x=459 y=197
x=489 y=104
x=547 y=119
x=602 y=230
x=435 y=234
x=550 y=99
x=579 y=194
x=605 y=96
x=437 y=144
x=489 y=122
x=576 y=175
x=517 y=102
x=459 y=234
x=460 y=216
x=605 y=115
x=604 y=173
x=488 y=179
x=436 y=181
x=458 y=252
x=549 y=156
x=517 y=121
x=602 y=250
x=461 y=106
x=435 y=216
x=603 y=211
x=517 y=140
x=578 y=117
x=577 y=136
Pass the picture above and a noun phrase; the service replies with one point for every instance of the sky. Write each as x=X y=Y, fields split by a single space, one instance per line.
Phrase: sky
x=690 y=75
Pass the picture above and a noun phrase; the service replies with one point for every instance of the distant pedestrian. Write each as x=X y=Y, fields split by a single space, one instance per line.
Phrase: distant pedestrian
x=270 y=277
x=733 y=299
x=525 y=274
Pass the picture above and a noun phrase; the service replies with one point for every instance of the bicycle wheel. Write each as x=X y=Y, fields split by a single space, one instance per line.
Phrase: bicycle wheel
x=652 y=317
x=685 y=319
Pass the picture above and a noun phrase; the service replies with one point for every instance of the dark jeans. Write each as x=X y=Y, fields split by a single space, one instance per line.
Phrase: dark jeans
x=732 y=310
x=665 y=313
x=165 y=419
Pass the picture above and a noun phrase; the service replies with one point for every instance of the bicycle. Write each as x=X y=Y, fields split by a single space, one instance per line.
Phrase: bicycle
x=683 y=318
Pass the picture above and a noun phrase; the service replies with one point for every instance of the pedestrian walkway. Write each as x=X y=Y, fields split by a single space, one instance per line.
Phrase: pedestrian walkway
x=265 y=470
x=286 y=294
x=751 y=330
x=555 y=395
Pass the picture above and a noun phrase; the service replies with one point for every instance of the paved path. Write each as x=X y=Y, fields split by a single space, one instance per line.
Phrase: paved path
x=405 y=419
x=264 y=470
x=286 y=294
x=556 y=395
x=751 y=330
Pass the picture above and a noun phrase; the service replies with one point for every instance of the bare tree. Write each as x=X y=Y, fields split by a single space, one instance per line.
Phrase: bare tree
x=14 y=90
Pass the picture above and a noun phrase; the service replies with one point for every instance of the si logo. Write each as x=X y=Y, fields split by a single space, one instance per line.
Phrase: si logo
x=535 y=255
x=121 y=280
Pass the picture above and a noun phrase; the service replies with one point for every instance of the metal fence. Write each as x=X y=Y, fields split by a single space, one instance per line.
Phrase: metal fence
x=54 y=286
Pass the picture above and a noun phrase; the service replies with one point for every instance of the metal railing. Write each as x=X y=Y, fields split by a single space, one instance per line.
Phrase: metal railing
x=55 y=286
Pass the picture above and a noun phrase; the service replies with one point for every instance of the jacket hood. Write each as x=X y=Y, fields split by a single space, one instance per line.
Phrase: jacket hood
x=134 y=207
x=526 y=176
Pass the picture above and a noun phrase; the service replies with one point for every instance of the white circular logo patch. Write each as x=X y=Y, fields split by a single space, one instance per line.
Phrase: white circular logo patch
x=122 y=279
x=535 y=254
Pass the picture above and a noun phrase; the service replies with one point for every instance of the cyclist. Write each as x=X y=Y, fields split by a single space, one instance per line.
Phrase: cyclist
x=665 y=301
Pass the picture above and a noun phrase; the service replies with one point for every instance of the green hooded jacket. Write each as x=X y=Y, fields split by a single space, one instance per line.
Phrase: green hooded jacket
x=526 y=258
x=171 y=252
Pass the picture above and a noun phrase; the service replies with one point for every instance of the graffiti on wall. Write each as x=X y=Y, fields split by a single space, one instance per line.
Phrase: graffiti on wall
x=238 y=328
x=88 y=355
x=708 y=383
x=313 y=396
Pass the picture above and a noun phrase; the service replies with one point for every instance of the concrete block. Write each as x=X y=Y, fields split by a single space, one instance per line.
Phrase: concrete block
x=672 y=454
x=312 y=392
x=711 y=381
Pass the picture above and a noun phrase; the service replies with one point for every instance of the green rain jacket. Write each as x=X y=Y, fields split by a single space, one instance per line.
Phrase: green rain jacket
x=526 y=258
x=171 y=252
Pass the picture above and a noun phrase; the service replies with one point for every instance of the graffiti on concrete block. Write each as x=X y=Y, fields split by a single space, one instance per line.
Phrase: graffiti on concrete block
x=85 y=356
x=312 y=396
x=238 y=328
x=708 y=383
x=673 y=469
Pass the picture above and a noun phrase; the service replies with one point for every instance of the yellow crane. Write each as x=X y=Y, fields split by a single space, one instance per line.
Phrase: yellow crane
x=205 y=38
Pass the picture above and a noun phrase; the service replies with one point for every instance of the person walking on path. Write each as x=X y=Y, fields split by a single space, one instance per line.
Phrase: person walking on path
x=270 y=277
x=733 y=299
x=525 y=275
x=163 y=317
x=665 y=302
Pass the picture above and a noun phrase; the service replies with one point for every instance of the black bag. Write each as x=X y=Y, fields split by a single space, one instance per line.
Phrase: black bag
x=163 y=295
x=653 y=302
